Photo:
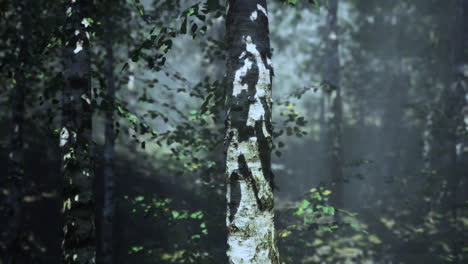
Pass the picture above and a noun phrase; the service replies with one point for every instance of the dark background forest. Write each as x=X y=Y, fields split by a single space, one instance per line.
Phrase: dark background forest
x=370 y=127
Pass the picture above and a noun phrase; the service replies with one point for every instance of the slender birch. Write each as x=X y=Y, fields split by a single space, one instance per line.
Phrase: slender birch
x=250 y=223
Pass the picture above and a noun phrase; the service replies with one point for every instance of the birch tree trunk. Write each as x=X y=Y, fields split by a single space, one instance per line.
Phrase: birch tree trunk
x=108 y=210
x=78 y=245
x=250 y=223
x=331 y=79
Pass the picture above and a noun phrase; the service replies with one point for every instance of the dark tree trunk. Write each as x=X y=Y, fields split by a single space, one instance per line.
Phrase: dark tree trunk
x=78 y=245
x=108 y=210
x=11 y=233
x=250 y=223
x=463 y=74
x=331 y=81
x=454 y=103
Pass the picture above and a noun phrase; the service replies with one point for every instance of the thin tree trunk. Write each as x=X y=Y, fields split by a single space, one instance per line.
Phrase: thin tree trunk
x=331 y=78
x=463 y=73
x=108 y=211
x=250 y=223
x=454 y=102
x=11 y=235
x=78 y=245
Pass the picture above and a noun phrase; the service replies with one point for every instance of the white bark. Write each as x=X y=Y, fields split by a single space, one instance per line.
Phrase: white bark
x=250 y=214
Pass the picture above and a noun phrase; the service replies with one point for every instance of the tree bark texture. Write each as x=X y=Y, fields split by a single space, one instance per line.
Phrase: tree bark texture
x=78 y=245
x=250 y=223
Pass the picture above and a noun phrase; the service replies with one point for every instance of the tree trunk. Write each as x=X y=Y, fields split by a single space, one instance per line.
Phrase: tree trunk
x=463 y=73
x=331 y=80
x=14 y=181
x=108 y=210
x=78 y=245
x=250 y=223
x=454 y=103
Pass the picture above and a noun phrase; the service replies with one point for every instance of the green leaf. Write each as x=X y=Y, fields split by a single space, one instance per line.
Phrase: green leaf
x=137 y=249
x=347 y=212
x=305 y=204
x=191 y=11
x=316 y=196
x=329 y=210
x=308 y=220
x=132 y=118
x=141 y=10
x=292 y=2
x=184 y=215
x=374 y=239
x=299 y=211
x=197 y=215
x=120 y=109
x=175 y=214
x=139 y=198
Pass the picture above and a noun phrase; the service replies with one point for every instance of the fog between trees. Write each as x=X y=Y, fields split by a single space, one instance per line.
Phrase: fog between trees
x=245 y=131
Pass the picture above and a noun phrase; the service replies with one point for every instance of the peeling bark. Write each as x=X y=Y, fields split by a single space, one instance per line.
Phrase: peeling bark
x=250 y=215
x=78 y=245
